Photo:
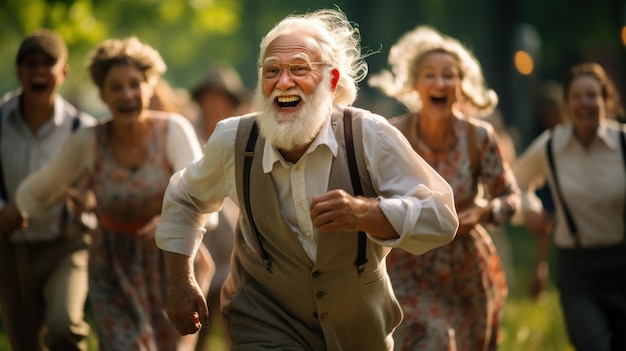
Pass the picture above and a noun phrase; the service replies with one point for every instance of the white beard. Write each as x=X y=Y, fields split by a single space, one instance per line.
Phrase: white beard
x=288 y=131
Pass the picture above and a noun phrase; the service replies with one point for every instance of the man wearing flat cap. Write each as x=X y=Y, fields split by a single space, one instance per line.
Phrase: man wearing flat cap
x=43 y=262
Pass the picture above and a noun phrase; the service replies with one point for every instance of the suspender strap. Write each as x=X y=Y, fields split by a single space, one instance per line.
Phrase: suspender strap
x=247 y=164
x=622 y=139
x=361 y=258
x=568 y=216
x=75 y=122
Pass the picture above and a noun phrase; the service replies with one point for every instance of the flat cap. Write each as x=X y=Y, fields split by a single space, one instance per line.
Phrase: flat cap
x=43 y=40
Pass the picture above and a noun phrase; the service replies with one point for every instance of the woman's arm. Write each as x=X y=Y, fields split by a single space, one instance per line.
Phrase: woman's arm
x=50 y=184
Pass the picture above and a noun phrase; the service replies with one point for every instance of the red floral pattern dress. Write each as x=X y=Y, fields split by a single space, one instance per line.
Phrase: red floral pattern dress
x=452 y=297
x=127 y=274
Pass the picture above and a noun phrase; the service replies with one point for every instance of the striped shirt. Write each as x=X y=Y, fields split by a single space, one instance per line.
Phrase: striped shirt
x=22 y=152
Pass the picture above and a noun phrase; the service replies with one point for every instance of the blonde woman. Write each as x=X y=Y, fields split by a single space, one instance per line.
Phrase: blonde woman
x=452 y=296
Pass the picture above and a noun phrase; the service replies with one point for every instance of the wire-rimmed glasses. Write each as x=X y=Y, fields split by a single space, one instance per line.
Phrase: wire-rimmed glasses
x=297 y=70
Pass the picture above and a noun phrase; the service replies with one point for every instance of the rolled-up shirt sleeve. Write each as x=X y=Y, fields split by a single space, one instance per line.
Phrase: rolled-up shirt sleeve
x=195 y=193
x=416 y=200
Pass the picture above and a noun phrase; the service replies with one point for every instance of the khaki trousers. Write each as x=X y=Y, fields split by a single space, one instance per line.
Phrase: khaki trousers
x=43 y=288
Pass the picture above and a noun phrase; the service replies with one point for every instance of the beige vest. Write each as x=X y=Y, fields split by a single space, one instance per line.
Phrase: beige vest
x=301 y=305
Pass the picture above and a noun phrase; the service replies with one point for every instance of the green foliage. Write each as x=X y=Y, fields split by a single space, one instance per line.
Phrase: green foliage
x=534 y=325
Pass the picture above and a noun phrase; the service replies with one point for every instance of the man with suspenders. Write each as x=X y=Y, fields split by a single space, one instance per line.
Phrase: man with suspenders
x=324 y=189
x=43 y=263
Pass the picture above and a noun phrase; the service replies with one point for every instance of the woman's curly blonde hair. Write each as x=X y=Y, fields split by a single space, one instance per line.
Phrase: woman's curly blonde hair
x=405 y=57
x=129 y=51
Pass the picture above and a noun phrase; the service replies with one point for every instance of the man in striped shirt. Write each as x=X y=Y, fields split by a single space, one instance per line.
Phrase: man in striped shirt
x=43 y=263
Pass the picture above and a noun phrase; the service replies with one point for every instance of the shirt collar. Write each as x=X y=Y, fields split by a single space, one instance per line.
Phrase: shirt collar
x=58 y=114
x=602 y=133
x=326 y=136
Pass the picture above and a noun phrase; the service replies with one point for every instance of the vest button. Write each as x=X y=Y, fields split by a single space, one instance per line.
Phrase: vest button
x=315 y=274
x=320 y=294
x=324 y=316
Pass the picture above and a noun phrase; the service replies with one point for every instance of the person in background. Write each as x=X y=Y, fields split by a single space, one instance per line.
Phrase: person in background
x=43 y=261
x=129 y=158
x=582 y=160
x=302 y=276
x=219 y=95
x=452 y=297
x=166 y=98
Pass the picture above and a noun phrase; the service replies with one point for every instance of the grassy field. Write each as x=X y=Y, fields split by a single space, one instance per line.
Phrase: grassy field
x=528 y=325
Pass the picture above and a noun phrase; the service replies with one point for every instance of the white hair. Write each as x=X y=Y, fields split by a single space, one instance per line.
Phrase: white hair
x=339 y=46
x=404 y=59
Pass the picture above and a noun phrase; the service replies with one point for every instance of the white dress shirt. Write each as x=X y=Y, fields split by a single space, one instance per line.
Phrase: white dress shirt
x=414 y=198
x=591 y=179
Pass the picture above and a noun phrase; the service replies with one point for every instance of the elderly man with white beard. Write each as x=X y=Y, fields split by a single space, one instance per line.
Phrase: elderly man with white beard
x=325 y=190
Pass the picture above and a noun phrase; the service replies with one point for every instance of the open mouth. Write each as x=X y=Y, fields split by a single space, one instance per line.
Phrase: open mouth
x=127 y=108
x=39 y=84
x=438 y=100
x=288 y=101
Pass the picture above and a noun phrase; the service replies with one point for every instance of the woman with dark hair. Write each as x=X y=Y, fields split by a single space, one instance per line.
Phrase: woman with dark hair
x=583 y=161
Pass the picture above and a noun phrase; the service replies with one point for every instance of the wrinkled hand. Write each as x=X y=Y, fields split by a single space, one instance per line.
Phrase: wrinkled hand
x=11 y=220
x=337 y=210
x=148 y=231
x=187 y=308
x=470 y=217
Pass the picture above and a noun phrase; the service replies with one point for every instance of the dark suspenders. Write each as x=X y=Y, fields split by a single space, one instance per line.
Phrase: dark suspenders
x=571 y=224
x=354 y=176
x=247 y=163
x=361 y=258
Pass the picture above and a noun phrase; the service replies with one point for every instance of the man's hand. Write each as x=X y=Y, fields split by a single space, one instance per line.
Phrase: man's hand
x=338 y=210
x=187 y=308
x=11 y=220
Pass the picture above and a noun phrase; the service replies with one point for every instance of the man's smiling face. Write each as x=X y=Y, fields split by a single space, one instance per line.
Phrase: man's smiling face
x=41 y=76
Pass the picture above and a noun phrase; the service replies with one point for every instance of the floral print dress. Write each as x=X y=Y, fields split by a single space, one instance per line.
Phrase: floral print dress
x=127 y=274
x=452 y=297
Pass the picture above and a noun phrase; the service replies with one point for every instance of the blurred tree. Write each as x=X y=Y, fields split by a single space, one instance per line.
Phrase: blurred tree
x=193 y=34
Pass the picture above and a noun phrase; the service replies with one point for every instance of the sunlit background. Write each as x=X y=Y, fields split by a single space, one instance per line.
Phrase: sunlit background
x=521 y=44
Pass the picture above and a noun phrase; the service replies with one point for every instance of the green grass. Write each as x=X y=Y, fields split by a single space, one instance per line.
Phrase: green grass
x=528 y=325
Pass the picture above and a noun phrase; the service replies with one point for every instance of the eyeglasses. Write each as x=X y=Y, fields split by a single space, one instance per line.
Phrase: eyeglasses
x=296 y=70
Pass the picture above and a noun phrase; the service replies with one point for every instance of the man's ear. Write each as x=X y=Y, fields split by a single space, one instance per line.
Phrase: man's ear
x=335 y=79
